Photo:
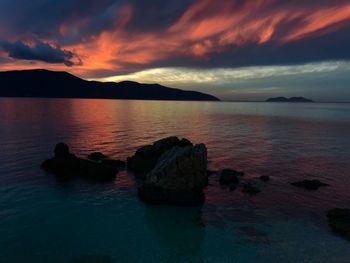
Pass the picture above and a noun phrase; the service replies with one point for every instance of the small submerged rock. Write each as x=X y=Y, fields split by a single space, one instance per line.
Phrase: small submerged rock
x=264 y=178
x=67 y=165
x=229 y=176
x=250 y=189
x=339 y=221
x=178 y=177
x=309 y=184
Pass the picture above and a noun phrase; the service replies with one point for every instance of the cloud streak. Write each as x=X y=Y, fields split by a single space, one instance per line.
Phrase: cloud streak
x=229 y=33
x=99 y=39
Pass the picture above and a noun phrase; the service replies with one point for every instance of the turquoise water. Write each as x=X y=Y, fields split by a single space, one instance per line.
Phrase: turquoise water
x=46 y=220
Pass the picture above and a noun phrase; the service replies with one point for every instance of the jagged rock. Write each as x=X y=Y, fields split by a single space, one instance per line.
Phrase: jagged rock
x=178 y=177
x=339 y=221
x=229 y=176
x=67 y=165
x=251 y=189
x=146 y=157
x=264 y=178
x=309 y=184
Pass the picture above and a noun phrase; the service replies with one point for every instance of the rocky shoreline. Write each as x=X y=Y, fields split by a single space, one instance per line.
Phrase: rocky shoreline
x=173 y=171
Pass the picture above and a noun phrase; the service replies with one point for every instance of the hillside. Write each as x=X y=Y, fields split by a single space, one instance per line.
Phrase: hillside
x=51 y=84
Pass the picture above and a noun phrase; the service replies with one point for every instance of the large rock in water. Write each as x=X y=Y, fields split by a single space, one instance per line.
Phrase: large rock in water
x=339 y=221
x=146 y=157
x=67 y=165
x=178 y=177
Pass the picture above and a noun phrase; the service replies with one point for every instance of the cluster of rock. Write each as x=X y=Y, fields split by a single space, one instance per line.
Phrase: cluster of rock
x=67 y=165
x=232 y=179
x=174 y=172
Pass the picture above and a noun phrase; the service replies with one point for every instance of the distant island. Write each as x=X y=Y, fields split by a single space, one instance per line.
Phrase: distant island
x=292 y=99
x=52 y=84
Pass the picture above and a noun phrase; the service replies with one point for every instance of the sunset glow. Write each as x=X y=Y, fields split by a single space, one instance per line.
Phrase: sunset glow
x=117 y=38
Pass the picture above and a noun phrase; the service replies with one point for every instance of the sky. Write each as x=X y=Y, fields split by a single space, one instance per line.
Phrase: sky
x=234 y=49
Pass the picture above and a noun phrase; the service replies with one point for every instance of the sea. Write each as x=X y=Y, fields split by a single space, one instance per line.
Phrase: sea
x=47 y=220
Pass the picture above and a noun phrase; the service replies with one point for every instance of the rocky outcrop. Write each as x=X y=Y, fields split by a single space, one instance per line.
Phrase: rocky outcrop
x=179 y=175
x=309 y=184
x=229 y=176
x=66 y=165
x=146 y=157
x=339 y=221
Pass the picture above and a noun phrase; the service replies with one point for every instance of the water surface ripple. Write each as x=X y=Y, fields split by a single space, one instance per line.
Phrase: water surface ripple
x=46 y=220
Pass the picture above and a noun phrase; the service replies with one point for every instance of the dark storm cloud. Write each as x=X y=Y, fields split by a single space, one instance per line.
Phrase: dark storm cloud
x=156 y=14
x=43 y=18
x=40 y=51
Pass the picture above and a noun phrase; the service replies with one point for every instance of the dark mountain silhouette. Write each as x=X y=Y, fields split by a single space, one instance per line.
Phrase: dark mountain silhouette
x=51 y=84
x=292 y=99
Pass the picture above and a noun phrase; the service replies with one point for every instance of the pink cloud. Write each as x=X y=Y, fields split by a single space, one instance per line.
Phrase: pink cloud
x=206 y=27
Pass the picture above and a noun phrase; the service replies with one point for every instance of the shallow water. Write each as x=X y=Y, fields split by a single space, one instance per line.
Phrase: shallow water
x=45 y=220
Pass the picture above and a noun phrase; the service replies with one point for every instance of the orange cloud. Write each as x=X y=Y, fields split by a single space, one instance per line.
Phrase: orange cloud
x=206 y=27
x=318 y=20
